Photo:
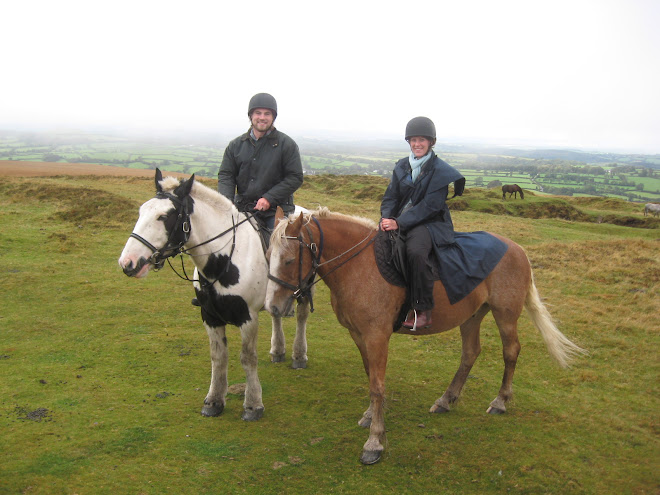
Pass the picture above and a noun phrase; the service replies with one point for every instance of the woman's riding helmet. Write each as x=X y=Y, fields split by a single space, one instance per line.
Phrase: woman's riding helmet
x=420 y=126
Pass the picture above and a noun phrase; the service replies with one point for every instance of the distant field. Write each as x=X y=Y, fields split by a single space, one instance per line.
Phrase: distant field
x=629 y=177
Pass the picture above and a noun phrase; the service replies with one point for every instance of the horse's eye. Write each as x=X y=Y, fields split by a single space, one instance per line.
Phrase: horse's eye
x=162 y=218
x=289 y=261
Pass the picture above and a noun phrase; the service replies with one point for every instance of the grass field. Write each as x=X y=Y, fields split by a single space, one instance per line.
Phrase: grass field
x=102 y=377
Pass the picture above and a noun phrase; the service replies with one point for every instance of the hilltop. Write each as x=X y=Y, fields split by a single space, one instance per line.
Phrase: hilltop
x=361 y=194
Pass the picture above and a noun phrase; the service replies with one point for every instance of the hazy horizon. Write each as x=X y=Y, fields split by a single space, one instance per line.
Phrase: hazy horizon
x=221 y=137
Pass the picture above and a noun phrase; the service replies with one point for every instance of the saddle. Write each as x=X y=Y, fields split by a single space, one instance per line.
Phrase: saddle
x=390 y=251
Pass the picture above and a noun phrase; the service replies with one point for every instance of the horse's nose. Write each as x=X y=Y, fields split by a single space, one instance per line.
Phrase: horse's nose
x=132 y=269
x=129 y=269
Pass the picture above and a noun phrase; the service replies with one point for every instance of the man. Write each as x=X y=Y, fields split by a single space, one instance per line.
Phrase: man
x=261 y=169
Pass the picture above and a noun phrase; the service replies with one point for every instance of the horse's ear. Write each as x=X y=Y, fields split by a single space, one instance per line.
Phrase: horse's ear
x=297 y=225
x=186 y=186
x=190 y=184
x=159 y=177
x=279 y=215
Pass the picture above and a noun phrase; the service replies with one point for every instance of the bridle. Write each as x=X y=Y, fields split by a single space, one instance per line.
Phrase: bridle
x=307 y=282
x=181 y=229
x=180 y=234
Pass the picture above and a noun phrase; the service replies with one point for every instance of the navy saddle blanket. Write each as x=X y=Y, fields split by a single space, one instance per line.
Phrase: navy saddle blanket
x=461 y=266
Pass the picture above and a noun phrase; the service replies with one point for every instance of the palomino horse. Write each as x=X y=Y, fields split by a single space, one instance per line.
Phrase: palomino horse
x=230 y=277
x=512 y=189
x=336 y=248
x=652 y=208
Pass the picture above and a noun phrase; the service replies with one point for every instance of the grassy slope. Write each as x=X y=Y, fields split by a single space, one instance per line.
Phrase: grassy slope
x=102 y=377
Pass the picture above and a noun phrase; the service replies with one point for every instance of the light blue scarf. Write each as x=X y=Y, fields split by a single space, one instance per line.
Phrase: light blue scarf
x=416 y=164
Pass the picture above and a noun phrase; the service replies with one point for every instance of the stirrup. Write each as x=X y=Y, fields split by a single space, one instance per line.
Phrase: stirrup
x=414 y=328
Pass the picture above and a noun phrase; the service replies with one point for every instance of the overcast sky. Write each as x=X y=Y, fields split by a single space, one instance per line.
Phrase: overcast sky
x=567 y=73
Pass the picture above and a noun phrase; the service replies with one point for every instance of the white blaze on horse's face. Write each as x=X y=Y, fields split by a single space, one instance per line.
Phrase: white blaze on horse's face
x=271 y=288
x=150 y=226
x=278 y=301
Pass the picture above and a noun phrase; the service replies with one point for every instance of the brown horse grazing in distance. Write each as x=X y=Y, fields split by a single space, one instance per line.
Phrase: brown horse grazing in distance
x=512 y=189
x=338 y=249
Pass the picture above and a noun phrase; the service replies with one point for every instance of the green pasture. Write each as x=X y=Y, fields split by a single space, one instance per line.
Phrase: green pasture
x=102 y=377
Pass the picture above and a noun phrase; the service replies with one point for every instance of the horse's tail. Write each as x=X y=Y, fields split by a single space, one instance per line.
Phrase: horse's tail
x=559 y=347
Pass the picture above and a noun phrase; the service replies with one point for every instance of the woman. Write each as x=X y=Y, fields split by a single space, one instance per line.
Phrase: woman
x=415 y=204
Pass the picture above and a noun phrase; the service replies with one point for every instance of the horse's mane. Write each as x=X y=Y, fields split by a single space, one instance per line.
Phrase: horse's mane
x=276 y=240
x=199 y=192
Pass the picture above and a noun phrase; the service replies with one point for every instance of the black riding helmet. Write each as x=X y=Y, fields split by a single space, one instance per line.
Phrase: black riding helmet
x=263 y=100
x=420 y=126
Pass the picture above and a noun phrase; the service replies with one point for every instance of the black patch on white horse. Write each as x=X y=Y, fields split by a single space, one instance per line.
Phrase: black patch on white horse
x=169 y=220
x=222 y=269
x=219 y=310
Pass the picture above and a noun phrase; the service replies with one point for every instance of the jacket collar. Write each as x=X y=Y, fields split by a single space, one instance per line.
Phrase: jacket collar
x=272 y=134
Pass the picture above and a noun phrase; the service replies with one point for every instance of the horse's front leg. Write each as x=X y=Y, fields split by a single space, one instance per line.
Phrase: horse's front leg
x=214 y=403
x=253 y=407
x=299 y=355
x=376 y=350
x=277 y=341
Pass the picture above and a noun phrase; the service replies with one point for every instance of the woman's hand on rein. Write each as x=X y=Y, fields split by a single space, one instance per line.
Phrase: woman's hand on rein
x=388 y=224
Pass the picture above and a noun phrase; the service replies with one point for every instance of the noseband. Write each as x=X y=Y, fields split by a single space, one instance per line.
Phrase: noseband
x=172 y=247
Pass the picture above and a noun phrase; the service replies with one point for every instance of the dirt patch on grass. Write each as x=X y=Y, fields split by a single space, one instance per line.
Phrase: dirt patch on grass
x=37 y=415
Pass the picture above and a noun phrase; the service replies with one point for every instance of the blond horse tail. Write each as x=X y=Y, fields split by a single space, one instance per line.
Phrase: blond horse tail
x=559 y=347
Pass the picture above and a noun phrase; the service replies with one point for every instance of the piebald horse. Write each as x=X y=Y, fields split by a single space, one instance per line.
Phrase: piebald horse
x=229 y=279
x=512 y=189
x=336 y=248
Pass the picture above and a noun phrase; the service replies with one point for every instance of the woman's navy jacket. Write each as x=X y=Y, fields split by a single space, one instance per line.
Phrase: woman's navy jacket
x=428 y=195
x=464 y=258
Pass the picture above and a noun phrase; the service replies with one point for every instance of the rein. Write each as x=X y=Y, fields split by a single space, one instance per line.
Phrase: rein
x=305 y=284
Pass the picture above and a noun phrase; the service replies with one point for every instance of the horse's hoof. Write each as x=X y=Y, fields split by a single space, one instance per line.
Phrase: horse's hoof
x=299 y=364
x=252 y=414
x=438 y=409
x=277 y=358
x=369 y=457
x=212 y=410
x=495 y=410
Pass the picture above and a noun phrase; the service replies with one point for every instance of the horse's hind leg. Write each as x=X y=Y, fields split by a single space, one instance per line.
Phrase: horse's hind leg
x=277 y=341
x=470 y=351
x=214 y=403
x=507 y=322
x=299 y=355
x=253 y=407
